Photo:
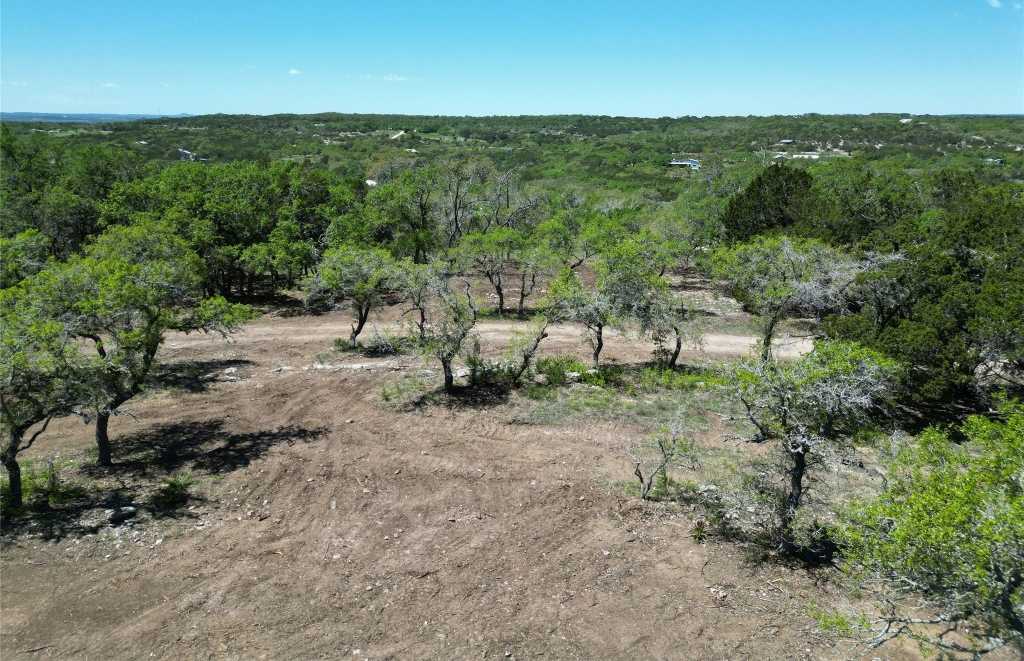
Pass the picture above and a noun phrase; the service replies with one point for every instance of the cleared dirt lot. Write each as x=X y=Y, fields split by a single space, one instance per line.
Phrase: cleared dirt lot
x=326 y=525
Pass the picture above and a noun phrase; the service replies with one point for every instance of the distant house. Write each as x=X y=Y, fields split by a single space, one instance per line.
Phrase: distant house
x=906 y=120
x=690 y=163
x=806 y=155
x=787 y=141
x=994 y=161
x=370 y=183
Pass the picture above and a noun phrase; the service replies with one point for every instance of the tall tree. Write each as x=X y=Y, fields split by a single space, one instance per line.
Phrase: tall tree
x=777 y=198
x=133 y=285
x=810 y=406
x=777 y=276
x=42 y=376
x=360 y=276
x=492 y=254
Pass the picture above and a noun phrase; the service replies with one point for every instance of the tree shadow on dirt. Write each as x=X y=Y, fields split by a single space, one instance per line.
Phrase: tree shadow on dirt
x=152 y=472
x=472 y=397
x=193 y=375
x=203 y=445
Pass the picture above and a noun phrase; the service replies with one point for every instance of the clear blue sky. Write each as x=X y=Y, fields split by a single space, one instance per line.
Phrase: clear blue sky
x=650 y=58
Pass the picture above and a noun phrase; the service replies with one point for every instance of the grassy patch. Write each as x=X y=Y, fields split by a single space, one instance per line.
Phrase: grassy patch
x=407 y=391
x=173 y=493
x=378 y=345
x=645 y=409
x=653 y=379
x=556 y=369
x=43 y=483
x=649 y=396
x=837 y=623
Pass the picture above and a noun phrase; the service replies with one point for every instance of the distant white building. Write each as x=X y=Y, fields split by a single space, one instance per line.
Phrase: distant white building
x=787 y=141
x=906 y=120
x=371 y=183
x=690 y=163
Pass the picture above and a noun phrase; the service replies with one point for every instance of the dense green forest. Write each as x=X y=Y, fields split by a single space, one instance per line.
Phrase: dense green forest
x=900 y=239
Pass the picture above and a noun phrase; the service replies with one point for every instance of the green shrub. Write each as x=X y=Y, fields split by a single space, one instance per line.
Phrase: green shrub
x=555 y=368
x=41 y=483
x=653 y=379
x=950 y=527
x=174 y=492
x=378 y=345
x=835 y=622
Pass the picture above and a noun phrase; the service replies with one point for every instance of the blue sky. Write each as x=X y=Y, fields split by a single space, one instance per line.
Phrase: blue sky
x=648 y=58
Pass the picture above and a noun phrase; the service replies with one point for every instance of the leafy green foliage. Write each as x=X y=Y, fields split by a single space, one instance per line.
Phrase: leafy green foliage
x=42 y=376
x=556 y=369
x=776 y=199
x=951 y=309
x=775 y=275
x=360 y=276
x=22 y=255
x=811 y=406
x=950 y=526
x=132 y=285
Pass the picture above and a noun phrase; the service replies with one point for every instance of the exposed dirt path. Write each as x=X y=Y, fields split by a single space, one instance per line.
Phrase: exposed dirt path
x=562 y=338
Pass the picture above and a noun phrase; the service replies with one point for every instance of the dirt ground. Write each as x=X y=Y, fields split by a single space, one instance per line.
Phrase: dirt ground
x=325 y=524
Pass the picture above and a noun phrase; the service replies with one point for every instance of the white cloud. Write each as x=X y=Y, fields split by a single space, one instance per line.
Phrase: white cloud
x=110 y=86
x=995 y=4
x=294 y=72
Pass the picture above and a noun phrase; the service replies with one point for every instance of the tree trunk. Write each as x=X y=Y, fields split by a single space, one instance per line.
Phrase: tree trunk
x=796 y=490
x=362 y=312
x=449 y=378
x=103 y=440
x=10 y=460
x=522 y=296
x=675 y=352
x=766 y=343
x=423 y=324
x=496 y=282
x=598 y=345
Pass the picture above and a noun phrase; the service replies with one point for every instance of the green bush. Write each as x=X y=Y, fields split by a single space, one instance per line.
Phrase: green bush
x=950 y=526
x=41 y=483
x=555 y=368
x=653 y=379
x=174 y=492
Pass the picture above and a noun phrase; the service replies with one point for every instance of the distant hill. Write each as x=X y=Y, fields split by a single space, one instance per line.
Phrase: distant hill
x=74 y=118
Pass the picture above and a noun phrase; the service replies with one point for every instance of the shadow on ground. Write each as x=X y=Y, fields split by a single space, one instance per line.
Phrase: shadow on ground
x=147 y=477
x=193 y=375
x=203 y=446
